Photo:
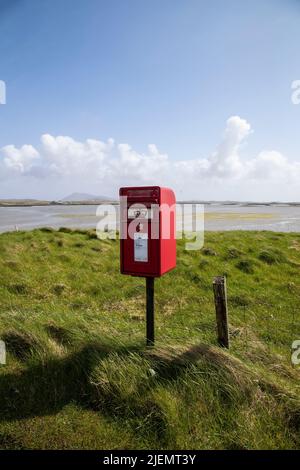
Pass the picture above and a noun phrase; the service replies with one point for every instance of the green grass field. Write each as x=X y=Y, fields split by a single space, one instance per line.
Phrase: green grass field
x=78 y=374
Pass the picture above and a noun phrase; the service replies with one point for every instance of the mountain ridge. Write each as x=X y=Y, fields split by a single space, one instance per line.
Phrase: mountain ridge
x=84 y=197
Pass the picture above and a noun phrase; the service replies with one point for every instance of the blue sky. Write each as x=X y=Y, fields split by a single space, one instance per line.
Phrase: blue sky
x=168 y=72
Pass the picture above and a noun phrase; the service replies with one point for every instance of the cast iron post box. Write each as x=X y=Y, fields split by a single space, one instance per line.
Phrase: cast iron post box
x=147 y=231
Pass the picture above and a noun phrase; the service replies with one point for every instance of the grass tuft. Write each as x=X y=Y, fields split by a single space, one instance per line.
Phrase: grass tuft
x=233 y=253
x=246 y=266
x=14 y=265
x=92 y=235
x=20 y=344
x=208 y=252
x=59 y=334
x=18 y=289
x=47 y=230
x=58 y=289
x=271 y=256
x=65 y=230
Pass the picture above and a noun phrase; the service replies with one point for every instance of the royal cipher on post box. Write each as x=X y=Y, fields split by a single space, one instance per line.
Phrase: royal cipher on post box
x=147 y=231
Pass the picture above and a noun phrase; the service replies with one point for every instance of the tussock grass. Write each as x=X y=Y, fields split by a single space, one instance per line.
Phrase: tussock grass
x=78 y=374
x=233 y=253
x=59 y=334
x=246 y=265
x=58 y=289
x=207 y=251
x=12 y=264
x=271 y=256
x=47 y=229
x=18 y=289
x=20 y=344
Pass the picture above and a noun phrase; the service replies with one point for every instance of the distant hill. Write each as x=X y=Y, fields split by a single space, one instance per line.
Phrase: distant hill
x=22 y=202
x=74 y=197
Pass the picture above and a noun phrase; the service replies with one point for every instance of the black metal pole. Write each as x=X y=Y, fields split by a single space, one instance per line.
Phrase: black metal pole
x=150 y=310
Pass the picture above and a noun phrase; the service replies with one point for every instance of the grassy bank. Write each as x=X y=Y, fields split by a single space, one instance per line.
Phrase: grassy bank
x=79 y=376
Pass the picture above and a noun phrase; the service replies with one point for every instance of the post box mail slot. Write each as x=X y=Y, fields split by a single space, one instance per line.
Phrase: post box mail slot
x=147 y=231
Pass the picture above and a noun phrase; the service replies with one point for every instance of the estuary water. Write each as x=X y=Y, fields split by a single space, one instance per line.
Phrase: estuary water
x=217 y=217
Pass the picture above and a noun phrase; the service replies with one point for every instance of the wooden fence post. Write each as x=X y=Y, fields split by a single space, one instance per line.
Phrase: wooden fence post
x=220 y=293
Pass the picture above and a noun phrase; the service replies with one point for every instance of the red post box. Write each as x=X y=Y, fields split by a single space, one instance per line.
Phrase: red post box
x=147 y=231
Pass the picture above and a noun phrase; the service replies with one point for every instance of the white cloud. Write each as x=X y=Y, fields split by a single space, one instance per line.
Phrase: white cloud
x=19 y=160
x=226 y=164
x=104 y=164
x=66 y=157
x=144 y=167
x=273 y=165
x=225 y=161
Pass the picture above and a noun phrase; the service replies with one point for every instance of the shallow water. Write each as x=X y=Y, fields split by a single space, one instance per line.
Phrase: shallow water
x=218 y=217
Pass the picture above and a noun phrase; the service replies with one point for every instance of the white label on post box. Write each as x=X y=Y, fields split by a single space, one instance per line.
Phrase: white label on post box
x=141 y=247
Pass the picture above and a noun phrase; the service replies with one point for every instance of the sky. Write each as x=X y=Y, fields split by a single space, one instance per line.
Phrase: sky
x=192 y=94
